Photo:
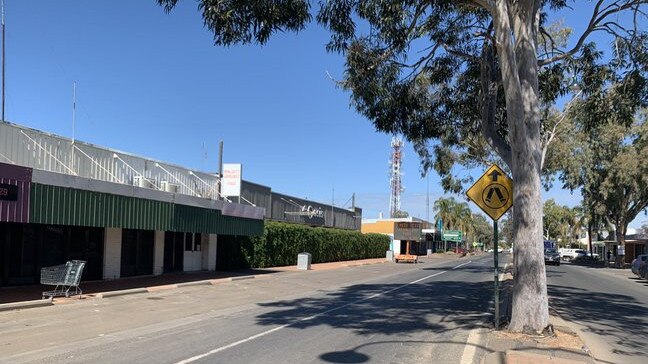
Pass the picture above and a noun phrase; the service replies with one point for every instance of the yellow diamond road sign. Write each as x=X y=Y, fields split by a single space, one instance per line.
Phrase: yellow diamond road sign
x=493 y=192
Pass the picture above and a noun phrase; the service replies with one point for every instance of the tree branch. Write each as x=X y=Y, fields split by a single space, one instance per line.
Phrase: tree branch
x=598 y=16
x=489 y=86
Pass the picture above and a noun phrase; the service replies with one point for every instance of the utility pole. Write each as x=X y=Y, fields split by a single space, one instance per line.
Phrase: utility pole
x=332 y=203
x=3 y=61
x=427 y=200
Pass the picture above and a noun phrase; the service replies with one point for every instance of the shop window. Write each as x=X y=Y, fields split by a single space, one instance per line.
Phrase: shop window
x=197 y=242
x=192 y=242
x=188 y=242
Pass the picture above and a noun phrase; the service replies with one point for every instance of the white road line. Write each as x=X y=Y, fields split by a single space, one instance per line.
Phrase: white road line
x=461 y=265
x=242 y=341
x=471 y=347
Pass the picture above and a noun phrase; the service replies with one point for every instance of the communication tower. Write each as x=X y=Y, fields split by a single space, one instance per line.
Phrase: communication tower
x=395 y=176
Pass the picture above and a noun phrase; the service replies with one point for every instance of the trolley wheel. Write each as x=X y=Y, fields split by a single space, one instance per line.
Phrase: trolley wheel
x=396 y=260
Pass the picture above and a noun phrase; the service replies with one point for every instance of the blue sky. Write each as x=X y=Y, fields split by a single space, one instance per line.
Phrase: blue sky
x=153 y=84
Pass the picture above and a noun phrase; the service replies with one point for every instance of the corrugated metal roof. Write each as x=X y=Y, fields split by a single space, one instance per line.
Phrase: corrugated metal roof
x=194 y=219
x=68 y=206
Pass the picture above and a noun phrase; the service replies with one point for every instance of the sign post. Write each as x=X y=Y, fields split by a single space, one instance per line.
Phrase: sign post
x=493 y=193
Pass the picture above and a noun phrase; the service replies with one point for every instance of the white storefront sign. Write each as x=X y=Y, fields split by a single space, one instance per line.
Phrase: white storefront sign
x=231 y=182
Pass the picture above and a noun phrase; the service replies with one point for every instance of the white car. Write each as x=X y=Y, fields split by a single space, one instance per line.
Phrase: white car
x=572 y=254
x=594 y=256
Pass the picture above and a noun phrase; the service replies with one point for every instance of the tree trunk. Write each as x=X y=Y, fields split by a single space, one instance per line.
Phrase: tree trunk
x=621 y=228
x=520 y=78
x=589 y=239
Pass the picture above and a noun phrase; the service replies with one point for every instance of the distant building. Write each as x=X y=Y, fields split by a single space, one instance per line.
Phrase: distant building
x=422 y=241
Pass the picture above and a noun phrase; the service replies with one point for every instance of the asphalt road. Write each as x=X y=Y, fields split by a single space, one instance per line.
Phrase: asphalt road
x=610 y=307
x=384 y=313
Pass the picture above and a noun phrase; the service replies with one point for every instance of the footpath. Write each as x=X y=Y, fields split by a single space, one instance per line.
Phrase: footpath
x=562 y=346
x=22 y=297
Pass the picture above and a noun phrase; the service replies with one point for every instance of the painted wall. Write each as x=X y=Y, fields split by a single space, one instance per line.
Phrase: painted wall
x=112 y=253
x=16 y=211
x=158 y=253
x=192 y=261
x=380 y=227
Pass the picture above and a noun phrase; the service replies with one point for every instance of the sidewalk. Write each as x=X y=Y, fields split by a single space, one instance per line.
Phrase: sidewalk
x=502 y=347
x=30 y=296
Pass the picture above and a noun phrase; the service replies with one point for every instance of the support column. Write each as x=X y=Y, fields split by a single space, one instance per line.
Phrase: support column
x=158 y=253
x=112 y=253
x=209 y=251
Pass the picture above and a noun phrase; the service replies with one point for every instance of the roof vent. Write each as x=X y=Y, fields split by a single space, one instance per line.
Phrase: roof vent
x=169 y=187
x=141 y=181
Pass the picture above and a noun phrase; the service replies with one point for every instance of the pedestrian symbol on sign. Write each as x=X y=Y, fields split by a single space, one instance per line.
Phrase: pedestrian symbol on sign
x=495 y=196
x=492 y=192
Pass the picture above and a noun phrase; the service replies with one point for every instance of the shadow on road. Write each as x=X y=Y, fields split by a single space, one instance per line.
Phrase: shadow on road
x=620 y=318
x=354 y=355
x=390 y=309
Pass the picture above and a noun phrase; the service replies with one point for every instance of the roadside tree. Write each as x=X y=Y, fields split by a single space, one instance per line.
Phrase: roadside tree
x=610 y=165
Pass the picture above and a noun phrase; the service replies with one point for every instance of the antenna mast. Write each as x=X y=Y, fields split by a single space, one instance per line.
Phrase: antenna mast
x=395 y=176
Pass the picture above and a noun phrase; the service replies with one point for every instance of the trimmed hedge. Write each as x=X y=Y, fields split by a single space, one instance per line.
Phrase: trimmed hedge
x=282 y=242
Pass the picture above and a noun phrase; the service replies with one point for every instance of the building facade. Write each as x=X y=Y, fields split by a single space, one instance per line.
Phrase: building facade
x=123 y=214
x=414 y=230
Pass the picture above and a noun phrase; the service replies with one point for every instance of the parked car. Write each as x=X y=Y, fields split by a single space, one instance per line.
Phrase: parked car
x=643 y=270
x=592 y=256
x=638 y=262
x=572 y=254
x=551 y=256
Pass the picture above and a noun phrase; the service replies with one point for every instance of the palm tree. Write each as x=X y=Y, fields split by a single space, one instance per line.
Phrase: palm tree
x=443 y=208
x=463 y=218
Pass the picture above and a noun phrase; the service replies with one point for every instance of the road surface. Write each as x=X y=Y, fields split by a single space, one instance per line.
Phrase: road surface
x=610 y=307
x=382 y=313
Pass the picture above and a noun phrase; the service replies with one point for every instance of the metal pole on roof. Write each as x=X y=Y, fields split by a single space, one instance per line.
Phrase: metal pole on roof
x=73 y=109
x=220 y=167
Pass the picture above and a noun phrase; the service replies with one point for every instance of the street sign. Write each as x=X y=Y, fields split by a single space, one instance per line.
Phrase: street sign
x=406 y=230
x=493 y=192
x=452 y=235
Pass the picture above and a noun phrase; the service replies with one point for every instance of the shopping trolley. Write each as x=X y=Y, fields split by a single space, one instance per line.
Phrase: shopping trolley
x=64 y=277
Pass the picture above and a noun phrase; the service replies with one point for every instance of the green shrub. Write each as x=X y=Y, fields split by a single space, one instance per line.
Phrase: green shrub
x=282 y=242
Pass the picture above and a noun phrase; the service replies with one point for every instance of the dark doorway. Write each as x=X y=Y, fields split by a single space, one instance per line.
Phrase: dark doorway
x=26 y=248
x=233 y=252
x=137 y=252
x=173 y=251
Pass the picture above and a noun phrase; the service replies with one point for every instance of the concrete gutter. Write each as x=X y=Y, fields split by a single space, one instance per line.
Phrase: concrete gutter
x=123 y=292
x=26 y=304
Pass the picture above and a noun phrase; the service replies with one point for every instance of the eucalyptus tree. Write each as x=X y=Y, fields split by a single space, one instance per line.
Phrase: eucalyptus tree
x=482 y=230
x=460 y=79
x=553 y=219
x=610 y=163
